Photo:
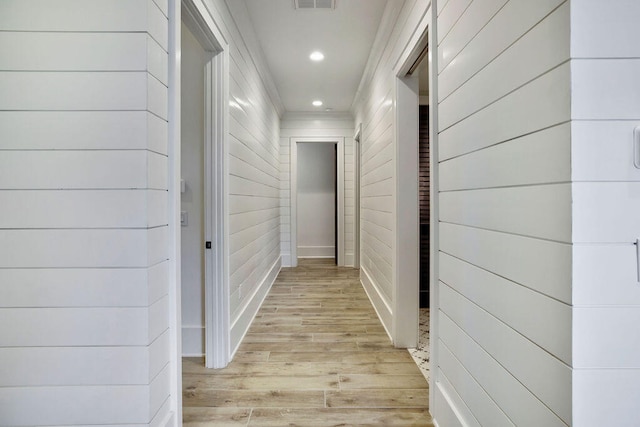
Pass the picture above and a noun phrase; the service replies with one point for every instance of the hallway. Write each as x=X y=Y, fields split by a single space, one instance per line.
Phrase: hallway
x=316 y=354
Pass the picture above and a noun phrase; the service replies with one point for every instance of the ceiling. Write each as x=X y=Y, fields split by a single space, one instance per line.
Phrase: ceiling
x=288 y=36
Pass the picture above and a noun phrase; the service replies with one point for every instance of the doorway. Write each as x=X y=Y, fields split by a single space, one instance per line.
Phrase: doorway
x=297 y=249
x=192 y=193
x=204 y=232
x=317 y=201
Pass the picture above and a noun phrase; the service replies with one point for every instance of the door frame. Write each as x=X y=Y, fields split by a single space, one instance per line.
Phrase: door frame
x=408 y=104
x=406 y=251
x=357 y=147
x=339 y=142
x=216 y=277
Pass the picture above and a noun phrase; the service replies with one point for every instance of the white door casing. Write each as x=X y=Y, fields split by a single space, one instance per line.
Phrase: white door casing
x=294 y=193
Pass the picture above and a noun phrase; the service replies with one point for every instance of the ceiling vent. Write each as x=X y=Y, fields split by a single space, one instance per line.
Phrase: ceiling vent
x=314 y=4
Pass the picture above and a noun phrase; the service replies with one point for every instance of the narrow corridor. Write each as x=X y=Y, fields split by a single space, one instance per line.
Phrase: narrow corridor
x=316 y=355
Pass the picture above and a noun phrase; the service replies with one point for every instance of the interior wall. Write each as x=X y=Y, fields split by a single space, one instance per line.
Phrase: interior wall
x=606 y=293
x=316 y=125
x=253 y=169
x=192 y=203
x=374 y=108
x=84 y=259
x=504 y=340
x=316 y=200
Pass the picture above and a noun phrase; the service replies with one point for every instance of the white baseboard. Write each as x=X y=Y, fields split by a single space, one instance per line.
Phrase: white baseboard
x=286 y=259
x=192 y=341
x=349 y=260
x=378 y=300
x=316 y=251
x=240 y=325
x=448 y=406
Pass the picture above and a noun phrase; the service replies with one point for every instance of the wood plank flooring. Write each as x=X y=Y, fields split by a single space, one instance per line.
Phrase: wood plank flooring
x=316 y=355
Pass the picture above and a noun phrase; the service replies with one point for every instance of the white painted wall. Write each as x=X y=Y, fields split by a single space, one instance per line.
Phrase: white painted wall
x=84 y=310
x=316 y=199
x=503 y=337
x=605 y=109
x=192 y=200
x=318 y=125
x=253 y=169
x=505 y=321
x=374 y=108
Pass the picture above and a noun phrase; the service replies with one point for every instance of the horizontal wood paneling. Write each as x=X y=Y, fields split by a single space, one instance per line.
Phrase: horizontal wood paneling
x=543 y=103
x=598 y=329
x=84 y=178
x=613 y=98
x=512 y=163
x=94 y=326
x=450 y=13
x=84 y=365
x=605 y=212
x=505 y=236
x=529 y=57
x=605 y=266
x=509 y=348
x=617 y=21
x=91 y=130
x=537 y=211
x=54 y=170
x=513 y=20
x=87 y=91
x=620 y=406
x=83 y=209
x=121 y=404
x=530 y=313
x=606 y=295
x=75 y=287
x=514 y=257
x=83 y=248
x=600 y=150
x=467 y=26
x=502 y=399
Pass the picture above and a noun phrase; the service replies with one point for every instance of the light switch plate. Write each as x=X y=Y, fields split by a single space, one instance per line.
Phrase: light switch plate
x=184 y=218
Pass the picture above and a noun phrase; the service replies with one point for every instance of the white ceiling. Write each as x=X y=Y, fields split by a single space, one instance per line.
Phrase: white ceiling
x=287 y=37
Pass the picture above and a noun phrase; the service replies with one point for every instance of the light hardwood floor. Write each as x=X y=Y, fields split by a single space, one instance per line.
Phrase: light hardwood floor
x=316 y=355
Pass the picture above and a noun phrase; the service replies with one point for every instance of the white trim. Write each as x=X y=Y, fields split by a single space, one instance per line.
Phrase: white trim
x=193 y=337
x=379 y=302
x=316 y=251
x=357 y=159
x=406 y=245
x=216 y=288
x=349 y=260
x=293 y=158
x=248 y=312
x=434 y=215
x=175 y=305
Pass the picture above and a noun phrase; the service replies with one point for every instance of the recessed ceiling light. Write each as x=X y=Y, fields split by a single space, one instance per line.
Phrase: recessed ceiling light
x=317 y=103
x=316 y=56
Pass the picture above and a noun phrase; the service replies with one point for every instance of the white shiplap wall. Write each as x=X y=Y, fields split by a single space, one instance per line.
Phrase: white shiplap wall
x=84 y=310
x=505 y=262
x=374 y=108
x=605 y=110
x=316 y=125
x=254 y=169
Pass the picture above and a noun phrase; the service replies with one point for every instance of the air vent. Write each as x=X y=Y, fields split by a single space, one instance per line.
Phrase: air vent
x=314 y=4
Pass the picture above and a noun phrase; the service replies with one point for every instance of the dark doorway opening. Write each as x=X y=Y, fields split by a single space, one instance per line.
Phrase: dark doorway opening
x=425 y=204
